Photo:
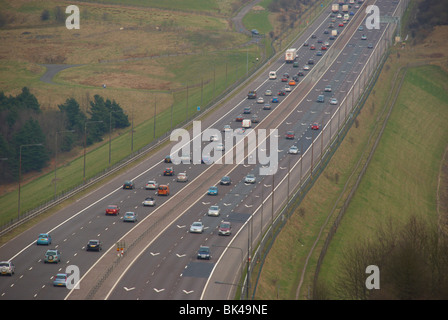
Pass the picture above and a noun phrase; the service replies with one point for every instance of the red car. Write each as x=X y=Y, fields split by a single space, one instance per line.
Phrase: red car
x=341 y=24
x=315 y=126
x=312 y=47
x=289 y=135
x=282 y=93
x=112 y=210
x=323 y=48
x=284 y=79
x=239 y=118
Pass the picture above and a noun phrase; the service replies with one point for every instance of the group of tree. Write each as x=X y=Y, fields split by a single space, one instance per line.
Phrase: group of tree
x=426 y=15
x=24 y=125
x=412 y=259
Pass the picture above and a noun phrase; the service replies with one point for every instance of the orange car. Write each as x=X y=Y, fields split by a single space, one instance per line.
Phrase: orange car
x=163 y=190
x=292 y=83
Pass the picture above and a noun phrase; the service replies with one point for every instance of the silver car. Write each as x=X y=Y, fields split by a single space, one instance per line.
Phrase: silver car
x=182 y=177
x=214 y=211
x=7 y=267
x=151 y=185
x=250 y=178
x=197 y=227
x=293 y=150
x=149 y=202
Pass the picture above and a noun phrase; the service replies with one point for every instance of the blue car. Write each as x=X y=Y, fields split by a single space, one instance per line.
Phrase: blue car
x=44 y=239
x=275 y=100
x=130 y=217
x=60 y=280
x=213 y=191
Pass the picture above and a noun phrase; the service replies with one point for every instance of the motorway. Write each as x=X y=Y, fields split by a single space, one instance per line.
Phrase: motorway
x=160 y=254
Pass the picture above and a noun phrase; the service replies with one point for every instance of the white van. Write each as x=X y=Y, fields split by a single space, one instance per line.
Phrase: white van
x=272 y=75
x=247 y=123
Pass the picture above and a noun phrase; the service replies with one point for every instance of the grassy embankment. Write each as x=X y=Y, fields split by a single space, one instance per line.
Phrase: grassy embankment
x=401 y=180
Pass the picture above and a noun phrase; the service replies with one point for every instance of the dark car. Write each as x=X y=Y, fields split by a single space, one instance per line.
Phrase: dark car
x=94 y=245
x=168 y=172
x=204 y=253
x=167 y=159
x=246 y=110
x=282 y=93
x=225 y=180
x=252 y=95
x=128 y=184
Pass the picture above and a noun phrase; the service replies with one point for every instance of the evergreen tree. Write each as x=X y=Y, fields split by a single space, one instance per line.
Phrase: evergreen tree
x=33 y=158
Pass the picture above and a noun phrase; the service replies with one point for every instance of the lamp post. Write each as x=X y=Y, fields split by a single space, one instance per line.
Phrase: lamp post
x=85 y=146
x=20 y=171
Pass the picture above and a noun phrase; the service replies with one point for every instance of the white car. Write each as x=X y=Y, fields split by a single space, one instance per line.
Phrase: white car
x=288 y=89
x=197 y=227
x=7 y=267
x=149 y=202
x=268 y=93
x=306 y=67
x=151 y=185
x=334 y=101
x=293 y=150
x=214 y=211
x=250 y=178
x=260 y=100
